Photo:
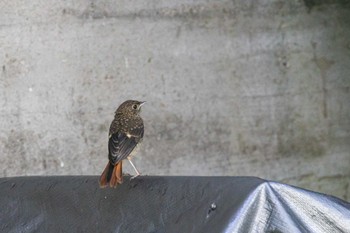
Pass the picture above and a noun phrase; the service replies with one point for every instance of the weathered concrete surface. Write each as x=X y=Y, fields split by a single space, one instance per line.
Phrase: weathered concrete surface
x=255 y=88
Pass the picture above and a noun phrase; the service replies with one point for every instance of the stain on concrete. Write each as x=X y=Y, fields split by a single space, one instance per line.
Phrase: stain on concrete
x=94 y=12
x=310 y=4
x=245 y=147
x=325 y=184
x=183 y=12
x=296 y=138
x=323 y=64
x=20 y=144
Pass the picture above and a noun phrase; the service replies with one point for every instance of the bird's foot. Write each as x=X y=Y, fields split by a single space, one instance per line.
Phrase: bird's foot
x=133 y=177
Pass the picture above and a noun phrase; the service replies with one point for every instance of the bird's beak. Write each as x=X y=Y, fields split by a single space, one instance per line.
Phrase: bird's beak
x=142 y=103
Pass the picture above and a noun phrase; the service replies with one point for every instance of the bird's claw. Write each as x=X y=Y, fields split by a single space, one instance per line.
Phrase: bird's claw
x=133 y=177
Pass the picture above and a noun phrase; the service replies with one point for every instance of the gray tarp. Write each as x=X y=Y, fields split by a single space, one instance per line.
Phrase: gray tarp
x=166 y=204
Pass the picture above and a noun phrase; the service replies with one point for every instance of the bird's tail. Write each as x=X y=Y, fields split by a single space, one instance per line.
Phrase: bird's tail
x=112 y=175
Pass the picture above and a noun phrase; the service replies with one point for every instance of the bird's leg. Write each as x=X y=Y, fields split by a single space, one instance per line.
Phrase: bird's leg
x=137 y=172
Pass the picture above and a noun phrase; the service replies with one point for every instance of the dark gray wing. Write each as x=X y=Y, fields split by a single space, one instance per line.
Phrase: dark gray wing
x=120 y=145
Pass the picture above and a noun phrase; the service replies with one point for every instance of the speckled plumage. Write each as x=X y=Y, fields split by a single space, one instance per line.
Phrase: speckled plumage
x=125 y=133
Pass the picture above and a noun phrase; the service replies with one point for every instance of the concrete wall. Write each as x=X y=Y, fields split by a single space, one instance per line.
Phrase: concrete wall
x=242 y=88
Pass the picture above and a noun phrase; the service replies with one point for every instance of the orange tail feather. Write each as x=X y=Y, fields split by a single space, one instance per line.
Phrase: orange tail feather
x=119 y=172
x=112 y=175
x=113 y=181
x=117 y=175
x=105 y=177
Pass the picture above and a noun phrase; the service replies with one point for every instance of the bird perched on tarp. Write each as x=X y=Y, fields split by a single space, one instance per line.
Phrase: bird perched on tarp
x=125 y=134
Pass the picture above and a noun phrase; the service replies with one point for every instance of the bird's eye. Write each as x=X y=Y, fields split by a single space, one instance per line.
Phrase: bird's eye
x=134 y=106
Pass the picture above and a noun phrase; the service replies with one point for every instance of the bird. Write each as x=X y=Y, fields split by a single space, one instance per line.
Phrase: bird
x=125 y=134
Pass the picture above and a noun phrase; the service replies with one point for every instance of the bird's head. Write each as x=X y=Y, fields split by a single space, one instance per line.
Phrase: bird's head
x=130 y=107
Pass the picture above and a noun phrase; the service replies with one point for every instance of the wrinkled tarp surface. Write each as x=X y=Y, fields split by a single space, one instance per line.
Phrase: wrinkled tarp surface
x=166 y=204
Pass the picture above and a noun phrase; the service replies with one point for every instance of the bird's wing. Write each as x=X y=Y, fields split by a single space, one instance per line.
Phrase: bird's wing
x=120 y=145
